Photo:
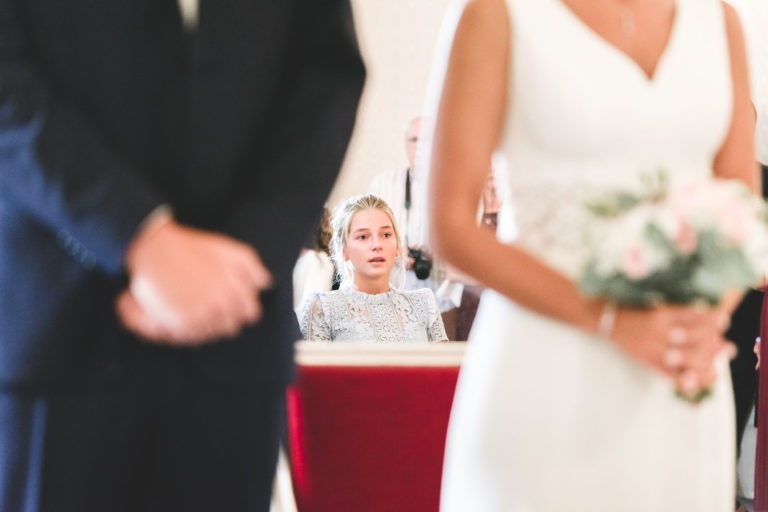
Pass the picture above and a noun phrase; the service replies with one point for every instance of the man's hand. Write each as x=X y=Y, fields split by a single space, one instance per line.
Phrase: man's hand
x=189 y=286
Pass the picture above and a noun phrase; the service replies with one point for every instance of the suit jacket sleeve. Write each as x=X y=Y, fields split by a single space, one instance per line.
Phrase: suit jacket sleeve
x=312 y=120
x=56 y=167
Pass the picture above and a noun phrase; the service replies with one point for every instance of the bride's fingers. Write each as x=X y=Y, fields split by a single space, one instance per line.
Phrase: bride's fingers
x=692 y=380
x=701 y=372
x=696 y=357
x=655 y=354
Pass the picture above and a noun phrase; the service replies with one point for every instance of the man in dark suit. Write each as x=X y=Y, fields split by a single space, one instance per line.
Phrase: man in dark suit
x=157 y=179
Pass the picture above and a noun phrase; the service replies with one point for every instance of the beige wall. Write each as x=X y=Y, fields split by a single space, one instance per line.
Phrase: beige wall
x=397 y=39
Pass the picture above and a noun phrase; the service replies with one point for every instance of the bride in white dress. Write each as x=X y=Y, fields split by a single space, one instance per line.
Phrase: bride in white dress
x=560 y=406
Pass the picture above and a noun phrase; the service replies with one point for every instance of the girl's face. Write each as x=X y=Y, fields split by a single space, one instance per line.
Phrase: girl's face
x=371 y=246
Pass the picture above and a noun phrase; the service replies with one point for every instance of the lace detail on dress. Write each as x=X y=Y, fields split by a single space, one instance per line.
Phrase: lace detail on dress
x=390 y=317
x=550 y=221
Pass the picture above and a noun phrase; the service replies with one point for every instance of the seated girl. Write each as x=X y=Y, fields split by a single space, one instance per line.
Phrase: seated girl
x=365 y=245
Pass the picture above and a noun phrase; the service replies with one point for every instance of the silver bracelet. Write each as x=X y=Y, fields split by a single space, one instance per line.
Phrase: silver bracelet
x=607 y=320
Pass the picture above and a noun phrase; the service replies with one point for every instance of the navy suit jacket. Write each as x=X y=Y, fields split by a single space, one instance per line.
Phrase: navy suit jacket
x=109 y=109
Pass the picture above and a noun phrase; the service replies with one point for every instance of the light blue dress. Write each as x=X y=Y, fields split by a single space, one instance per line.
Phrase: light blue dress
x=390 y=317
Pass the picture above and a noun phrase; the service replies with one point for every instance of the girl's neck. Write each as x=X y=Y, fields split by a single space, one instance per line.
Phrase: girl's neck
x=371 y=287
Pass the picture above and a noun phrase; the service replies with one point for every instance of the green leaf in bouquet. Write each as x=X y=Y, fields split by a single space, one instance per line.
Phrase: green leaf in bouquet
x=673 y=283
x=590 y=282
x=618 y=288
x=695 y=397
x=653 y=188
x=659 y=239
x=612 y=205
x=655 y=184
x=723 y=271
x=711 y=244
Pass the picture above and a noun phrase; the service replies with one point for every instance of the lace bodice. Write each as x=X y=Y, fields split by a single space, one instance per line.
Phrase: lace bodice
x=390 y=317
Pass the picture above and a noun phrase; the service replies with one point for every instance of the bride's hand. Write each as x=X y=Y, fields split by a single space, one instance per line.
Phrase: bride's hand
x=680 y=342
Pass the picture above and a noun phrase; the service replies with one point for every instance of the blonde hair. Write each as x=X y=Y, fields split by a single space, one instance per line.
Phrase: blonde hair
x=340 y=225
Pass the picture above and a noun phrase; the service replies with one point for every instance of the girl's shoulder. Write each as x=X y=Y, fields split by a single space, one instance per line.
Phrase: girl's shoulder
x=420 y=294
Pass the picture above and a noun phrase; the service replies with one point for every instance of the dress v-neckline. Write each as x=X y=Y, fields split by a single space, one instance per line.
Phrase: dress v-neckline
x=657 y=67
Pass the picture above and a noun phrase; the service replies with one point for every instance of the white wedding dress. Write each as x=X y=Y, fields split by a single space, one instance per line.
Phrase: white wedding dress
x=547 y=418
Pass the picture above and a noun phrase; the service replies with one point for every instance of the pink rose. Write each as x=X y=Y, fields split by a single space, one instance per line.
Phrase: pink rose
x=635 y=264
x=686 y=238
x=735 y=219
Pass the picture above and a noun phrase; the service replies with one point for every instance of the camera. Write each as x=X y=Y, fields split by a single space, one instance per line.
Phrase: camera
x=422 y=263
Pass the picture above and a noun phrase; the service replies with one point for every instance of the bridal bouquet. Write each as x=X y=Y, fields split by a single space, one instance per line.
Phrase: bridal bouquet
x=682 y=244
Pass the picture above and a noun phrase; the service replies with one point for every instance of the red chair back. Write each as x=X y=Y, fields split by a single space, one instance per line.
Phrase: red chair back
x=367 y=424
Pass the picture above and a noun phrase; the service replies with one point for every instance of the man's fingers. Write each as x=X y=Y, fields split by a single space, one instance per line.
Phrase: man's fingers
x=204 y=329
x=260 y=276
x=136 y=320
x=195 y=288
